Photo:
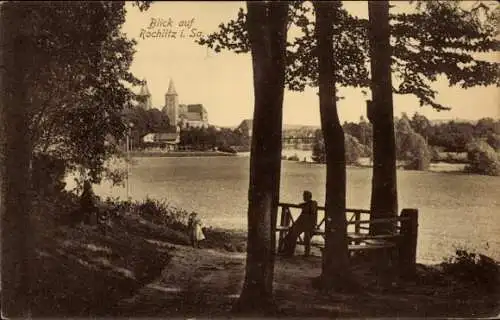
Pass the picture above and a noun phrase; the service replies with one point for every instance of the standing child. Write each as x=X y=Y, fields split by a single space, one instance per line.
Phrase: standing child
x=195 y=231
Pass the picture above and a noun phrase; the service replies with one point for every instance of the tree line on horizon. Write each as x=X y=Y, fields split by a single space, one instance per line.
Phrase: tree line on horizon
x=448 y=136
x=419 y=142
x=441 y=138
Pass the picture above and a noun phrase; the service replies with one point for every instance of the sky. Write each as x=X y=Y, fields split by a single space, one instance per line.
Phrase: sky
x=223 y=83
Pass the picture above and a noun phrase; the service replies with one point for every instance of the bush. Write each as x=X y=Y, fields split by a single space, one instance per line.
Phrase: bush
x=367 y=151
x=411 y=147
x=241 y=148
x=483 y=159
x=420 y=157
x=455 y=157
x=295 y=157
x=157 y=211
x=167 y=215
x=228 y=149
x=353 y=150
x=473 y=267
x=61 y=209
x=114 y=208
x=318 y=150
x=493 y=140
x=47 y=175
x=435 y=153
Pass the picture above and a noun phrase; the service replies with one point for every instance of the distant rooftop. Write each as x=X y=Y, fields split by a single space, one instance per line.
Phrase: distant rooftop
x=195 y=108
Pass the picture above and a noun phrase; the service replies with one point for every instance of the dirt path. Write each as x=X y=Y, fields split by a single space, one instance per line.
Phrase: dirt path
x=205 y=282
x=194 y=282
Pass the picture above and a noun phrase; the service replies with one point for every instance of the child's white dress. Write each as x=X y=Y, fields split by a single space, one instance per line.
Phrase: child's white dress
x=199 y=232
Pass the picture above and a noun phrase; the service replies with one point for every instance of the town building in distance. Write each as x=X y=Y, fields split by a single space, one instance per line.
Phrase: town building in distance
x=180 y=116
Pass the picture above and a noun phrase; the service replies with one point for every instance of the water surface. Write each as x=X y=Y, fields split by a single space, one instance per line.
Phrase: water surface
x=455 y=209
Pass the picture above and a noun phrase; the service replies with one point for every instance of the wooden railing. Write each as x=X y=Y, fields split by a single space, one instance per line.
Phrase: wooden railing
x=356 y=213
x=401 y=235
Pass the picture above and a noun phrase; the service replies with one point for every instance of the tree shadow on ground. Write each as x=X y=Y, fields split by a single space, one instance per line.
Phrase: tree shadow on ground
x=84 y=271
x=203 y=283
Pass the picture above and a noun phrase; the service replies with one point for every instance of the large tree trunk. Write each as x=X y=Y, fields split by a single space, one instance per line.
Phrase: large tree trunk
x=267 y=32
x=17 y=250
x=335 y=255
x=384 y=198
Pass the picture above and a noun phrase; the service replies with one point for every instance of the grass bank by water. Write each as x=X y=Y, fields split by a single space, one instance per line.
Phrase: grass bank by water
x=175 y=154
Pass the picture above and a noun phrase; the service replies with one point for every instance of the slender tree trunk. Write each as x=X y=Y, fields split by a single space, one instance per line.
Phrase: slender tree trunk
x=335 y=255
x=384 y=198
x=267 y=32
x=17 y=250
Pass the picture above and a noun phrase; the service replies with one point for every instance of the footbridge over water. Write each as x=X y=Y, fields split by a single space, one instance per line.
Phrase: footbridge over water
x=298 y=140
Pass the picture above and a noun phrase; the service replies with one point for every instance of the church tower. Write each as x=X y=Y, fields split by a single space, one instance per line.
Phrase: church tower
x=145 y=96
x=172 y=104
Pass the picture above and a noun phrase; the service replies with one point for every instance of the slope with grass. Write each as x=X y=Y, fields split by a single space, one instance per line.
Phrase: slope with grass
x=138 y=263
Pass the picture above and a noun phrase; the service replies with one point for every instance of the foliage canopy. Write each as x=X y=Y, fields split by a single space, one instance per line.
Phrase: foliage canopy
x=439 y=39
x=79 y=80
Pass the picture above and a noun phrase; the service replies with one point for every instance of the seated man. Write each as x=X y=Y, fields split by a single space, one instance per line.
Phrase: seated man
x=305 y=223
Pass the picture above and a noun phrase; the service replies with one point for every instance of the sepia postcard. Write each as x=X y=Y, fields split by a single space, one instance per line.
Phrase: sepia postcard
x=225 y=159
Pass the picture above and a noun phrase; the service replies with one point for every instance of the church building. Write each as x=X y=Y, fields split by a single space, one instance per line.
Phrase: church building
x=191 y=115
x=180 y=116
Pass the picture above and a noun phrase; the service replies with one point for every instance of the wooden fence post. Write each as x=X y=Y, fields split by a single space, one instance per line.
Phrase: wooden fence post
x=357 y=226
x=284 y=222
x=408 y=244
x=357 y=218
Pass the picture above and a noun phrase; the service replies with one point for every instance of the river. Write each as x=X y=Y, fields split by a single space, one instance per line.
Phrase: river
x=456 y=209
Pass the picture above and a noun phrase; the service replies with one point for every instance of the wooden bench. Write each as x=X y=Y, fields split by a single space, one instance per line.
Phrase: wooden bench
x=401 y=237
